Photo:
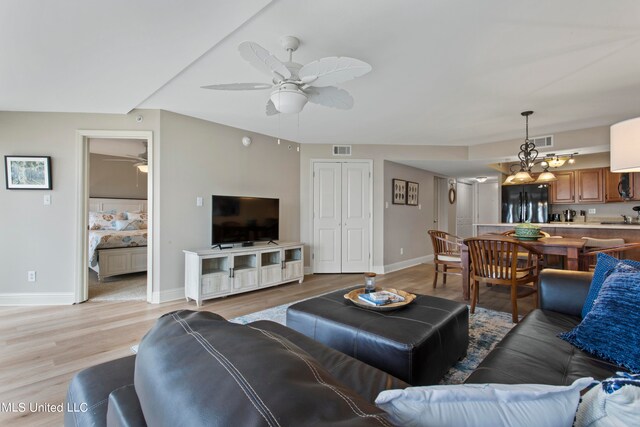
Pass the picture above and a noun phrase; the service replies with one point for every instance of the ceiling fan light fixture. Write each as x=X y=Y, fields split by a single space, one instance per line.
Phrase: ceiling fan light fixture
x=143 y=168
x=289 y=99
x=481 y=178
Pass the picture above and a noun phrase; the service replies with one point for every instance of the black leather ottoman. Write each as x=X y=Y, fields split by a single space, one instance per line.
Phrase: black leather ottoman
x=417 y=343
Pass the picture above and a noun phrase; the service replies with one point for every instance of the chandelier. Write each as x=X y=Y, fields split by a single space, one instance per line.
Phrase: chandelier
x=528 y=156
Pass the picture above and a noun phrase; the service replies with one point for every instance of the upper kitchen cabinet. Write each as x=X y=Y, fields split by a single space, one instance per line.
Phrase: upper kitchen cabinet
x=563 y=190
x=590 y=185
x=579 y=186
x=619 y=186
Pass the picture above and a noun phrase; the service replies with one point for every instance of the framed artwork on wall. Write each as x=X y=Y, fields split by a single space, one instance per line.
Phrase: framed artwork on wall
x=412 y=193
x=399 y=191
x=28 y=172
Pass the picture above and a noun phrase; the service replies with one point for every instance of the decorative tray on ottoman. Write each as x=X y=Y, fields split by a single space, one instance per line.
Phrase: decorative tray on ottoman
x=353 y=297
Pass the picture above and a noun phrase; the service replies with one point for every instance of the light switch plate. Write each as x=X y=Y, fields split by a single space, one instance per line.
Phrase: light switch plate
x=198 y=201
x=47 y=199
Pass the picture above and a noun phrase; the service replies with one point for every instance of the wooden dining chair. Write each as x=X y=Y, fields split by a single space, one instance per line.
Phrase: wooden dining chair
x=446 y=254
x=589 y=255
x=495 y=261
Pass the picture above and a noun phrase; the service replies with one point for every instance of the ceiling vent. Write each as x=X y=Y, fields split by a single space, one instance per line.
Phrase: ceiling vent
x=543 y=141
x=341 y=150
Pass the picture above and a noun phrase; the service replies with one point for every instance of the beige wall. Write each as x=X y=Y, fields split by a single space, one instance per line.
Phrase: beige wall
x=191 y=158
x=200 y=158
x=406 y=226
x=38 y=237
x=377 y=153
x=119 y=180
x=585 y=141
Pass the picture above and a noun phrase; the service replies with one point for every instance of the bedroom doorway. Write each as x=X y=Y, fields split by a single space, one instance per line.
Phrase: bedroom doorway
x=115 y=214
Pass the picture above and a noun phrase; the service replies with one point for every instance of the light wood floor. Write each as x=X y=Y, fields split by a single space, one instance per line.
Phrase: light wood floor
x=41 y=348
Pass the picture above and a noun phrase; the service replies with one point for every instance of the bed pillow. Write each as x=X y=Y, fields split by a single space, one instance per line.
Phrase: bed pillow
x=484 y=404
x=610 y=329
x=614 y=402
x=125 y=225
x=604 y=266
x=137 y=215
x=104 y=220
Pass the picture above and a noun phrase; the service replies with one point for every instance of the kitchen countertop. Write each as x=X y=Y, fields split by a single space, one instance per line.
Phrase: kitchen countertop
x=577 y=224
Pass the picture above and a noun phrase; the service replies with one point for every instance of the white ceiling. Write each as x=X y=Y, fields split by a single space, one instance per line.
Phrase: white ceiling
x=444 y=72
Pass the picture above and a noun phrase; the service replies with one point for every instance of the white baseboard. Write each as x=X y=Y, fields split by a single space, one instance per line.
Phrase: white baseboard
x=308 y=270
x=166 y=296
x=50 y=298
x=407 y=263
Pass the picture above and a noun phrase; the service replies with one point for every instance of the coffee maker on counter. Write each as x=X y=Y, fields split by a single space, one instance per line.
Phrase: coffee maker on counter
x=569 y=214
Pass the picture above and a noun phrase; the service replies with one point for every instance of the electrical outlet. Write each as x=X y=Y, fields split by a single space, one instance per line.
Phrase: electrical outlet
x=592 y=211
x=31 y=276
x=47 y=199
x=401 y=251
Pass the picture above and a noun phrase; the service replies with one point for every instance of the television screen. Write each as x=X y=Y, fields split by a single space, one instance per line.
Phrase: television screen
x=244 y=219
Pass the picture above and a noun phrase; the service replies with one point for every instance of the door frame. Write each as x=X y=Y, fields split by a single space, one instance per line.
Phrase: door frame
x=312 y=200
x=82 y=205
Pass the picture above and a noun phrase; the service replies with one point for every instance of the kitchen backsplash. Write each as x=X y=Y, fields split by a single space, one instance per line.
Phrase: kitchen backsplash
x=604 y=211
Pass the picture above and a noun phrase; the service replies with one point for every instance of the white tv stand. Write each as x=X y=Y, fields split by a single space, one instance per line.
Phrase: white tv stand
x=213 y=273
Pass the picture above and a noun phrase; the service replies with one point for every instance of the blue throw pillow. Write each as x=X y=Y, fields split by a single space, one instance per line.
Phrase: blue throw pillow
x=604 y=266
x=610 y=330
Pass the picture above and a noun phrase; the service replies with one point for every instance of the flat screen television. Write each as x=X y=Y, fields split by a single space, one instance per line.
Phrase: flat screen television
x=245 y=220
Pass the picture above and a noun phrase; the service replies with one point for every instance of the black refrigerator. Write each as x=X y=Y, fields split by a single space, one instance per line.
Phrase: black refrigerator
x=525 y=203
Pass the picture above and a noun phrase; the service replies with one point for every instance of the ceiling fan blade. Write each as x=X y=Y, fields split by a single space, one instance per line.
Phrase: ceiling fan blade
x=271 y=109
x=239 y=86
x=330 y=96
x=332 y=70
x=120 y=160
x=262 y=59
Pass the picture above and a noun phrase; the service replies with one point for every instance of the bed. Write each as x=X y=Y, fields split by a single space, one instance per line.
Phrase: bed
x=117 y=236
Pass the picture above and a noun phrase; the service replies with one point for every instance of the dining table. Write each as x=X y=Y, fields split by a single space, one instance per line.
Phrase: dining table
x=568 y=247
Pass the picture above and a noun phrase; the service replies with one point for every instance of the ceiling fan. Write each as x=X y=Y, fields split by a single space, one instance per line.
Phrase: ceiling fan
x=140 y=161
x=293 y=84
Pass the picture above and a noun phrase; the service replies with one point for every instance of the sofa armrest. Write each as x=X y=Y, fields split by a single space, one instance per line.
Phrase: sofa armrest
x=124 y=408
x=563 y=291
x=88 y=393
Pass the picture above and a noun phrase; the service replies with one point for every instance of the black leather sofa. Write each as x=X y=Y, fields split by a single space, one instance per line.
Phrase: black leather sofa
x=171 y=381
x=531 y=353
x=197 y=369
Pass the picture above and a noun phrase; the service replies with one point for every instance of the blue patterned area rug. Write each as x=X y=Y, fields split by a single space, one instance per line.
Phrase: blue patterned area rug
x=486 y=329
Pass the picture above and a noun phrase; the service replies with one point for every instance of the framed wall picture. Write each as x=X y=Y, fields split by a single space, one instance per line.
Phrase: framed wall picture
x=28 y=172
x=412 y=193
x=399 y=191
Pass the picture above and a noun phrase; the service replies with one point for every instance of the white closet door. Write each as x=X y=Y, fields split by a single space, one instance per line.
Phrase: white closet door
x=356 y=216
x=327 y=217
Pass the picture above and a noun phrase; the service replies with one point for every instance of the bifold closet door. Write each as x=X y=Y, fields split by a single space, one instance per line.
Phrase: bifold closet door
x=341 y=217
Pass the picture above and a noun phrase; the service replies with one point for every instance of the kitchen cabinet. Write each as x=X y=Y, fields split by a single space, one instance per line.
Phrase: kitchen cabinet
x=613 y=181
x=590 y=185
x=584 y=186
x=563 y=190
